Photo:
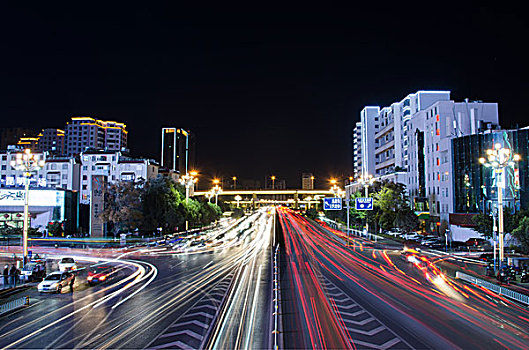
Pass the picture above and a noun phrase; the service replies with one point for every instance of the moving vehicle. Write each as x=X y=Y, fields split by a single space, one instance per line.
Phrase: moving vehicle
x=67 y=264
x=34 y=270
x=55 y=282
x=101 y=273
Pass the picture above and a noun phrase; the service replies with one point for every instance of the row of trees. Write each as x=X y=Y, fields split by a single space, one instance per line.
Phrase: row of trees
x=154 y=204
x=391 y=208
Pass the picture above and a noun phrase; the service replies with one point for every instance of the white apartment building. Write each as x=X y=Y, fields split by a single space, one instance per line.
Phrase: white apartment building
x=56 y=173
x=357 y=150
x=115 y=167
x=430 y=163
x=392 y=139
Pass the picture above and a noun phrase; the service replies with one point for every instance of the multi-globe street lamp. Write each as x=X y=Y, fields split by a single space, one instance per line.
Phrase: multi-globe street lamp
x=498 y=158
x=28 y=163
x=188 y=180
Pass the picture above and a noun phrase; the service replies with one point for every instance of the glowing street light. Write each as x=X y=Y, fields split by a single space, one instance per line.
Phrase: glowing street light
x=238 y=198
x=216 y=190
x=234 y=182
x=189 y=180
x=28 y=163
x=273 y=180
x=367 y=181
x=312 y=182
x=499 y=158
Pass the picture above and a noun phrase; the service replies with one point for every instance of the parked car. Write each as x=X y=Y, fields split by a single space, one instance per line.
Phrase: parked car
x=67 y=264
x=34 y=270
x=55 y=282
x=101 y=273
x=478 y=244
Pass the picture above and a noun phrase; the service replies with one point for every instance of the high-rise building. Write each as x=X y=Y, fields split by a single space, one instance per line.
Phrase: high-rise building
x=52 y=141
x=177 y=150
x=307 y=181
x=84 y=133
x=430 y=165
x=357 y=150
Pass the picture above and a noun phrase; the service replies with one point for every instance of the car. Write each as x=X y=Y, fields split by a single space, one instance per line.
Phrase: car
x=478 y=244
x=101 y=273
x=410 y=255
x=34 y=270
x=67 y=264
x=55 y=282
x=413 y=237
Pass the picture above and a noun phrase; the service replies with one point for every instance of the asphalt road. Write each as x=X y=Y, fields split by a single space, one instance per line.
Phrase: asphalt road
x=363 y=296
x=162 y=299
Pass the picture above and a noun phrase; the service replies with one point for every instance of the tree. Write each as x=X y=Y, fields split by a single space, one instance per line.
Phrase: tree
x=521 y=233
x=161 y=205
x=394 y=211
x=122 y=206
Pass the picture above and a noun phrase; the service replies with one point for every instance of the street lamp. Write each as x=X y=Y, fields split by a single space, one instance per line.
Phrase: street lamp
x=366 y=181
x=28 y=163
x=188 y=180
x=209 y=195
x=216 y=190
x=238 y=198
x=312 y=182
x=273 y=180
x=499 y=158
x=234 y=182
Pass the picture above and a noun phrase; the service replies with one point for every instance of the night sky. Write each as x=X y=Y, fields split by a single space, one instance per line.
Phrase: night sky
x=266 y=90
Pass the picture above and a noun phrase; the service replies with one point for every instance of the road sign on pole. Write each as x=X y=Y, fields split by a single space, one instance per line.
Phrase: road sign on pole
x=364 y=203
x=332 y=203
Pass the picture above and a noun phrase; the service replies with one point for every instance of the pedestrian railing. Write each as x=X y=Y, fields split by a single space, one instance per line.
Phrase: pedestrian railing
x=522 y=298
x=277 y=302
x=14 y=304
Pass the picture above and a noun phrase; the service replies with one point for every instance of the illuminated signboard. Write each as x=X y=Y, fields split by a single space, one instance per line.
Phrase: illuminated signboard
x=37 y=198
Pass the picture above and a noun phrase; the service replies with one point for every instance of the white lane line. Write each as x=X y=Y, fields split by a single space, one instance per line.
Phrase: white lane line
x=211 y=262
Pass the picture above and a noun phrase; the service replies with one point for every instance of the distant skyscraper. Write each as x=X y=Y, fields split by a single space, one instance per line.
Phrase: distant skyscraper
x=84 y=133
x=177 y=150
x=307 y=181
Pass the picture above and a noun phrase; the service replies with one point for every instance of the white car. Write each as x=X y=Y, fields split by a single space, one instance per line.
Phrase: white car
x=67 y=264
x=55 y=282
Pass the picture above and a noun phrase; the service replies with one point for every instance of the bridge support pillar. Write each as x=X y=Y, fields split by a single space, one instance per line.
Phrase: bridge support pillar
x=296 y=201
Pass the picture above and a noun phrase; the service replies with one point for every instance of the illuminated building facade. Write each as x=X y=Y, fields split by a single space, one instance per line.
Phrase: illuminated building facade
x=52 y=141
x=84 y=133
x=177 y=150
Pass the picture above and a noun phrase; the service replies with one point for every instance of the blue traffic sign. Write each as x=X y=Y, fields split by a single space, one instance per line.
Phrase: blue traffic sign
x=332 y=203
x=364 y=203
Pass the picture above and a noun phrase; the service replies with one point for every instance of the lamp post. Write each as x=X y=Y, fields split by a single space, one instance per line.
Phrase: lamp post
x=238 y=198
x=312 y=182
x=273 y=180
x=216 y=190
x=366 y=180
x=234 y=182
x=188 y=180
x=499 y=158
x=28 y=163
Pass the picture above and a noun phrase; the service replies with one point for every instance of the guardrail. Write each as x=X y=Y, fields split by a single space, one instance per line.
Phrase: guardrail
x=277 y=302
x=13 y=304
x=522 y=298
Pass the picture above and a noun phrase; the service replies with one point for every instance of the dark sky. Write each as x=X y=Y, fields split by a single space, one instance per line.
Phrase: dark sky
x=267 y=90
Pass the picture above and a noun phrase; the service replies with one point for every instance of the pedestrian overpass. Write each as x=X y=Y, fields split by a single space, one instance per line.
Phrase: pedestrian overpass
x=258 y=198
